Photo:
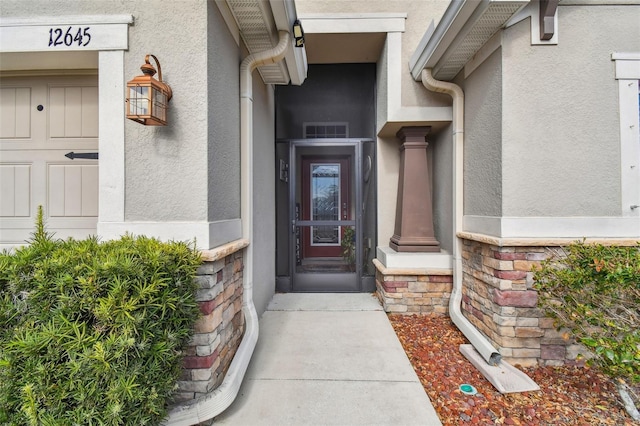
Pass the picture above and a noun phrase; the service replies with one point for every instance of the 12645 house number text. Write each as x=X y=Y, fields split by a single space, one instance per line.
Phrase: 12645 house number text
x=58 y=36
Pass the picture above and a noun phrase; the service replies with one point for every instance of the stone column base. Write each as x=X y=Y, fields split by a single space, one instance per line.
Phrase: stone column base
x=410 y=291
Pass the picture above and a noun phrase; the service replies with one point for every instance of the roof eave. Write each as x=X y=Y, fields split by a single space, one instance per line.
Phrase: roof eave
x=465 y=26
x=258 y=23
x=284 y=14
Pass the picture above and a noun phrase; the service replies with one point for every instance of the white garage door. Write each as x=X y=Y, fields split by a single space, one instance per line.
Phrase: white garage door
x=41 y=120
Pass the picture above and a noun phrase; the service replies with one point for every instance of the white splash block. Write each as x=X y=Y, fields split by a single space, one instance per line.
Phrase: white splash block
x=504 y=377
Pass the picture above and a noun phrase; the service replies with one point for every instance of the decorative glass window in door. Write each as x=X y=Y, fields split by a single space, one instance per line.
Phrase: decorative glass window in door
x=325 y=202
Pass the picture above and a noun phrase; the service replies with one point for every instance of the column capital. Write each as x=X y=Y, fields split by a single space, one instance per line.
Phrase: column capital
x=413 y=133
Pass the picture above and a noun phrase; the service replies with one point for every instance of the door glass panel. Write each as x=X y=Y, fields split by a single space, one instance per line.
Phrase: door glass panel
x=325 y=203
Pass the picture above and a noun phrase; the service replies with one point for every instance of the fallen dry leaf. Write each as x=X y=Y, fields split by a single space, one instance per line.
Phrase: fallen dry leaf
x=568 y=395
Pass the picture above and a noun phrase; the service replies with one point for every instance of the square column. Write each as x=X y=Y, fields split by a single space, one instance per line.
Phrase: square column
x=414 y=216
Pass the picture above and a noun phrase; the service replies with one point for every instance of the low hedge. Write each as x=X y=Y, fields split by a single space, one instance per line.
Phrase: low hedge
x=91 y=333
x=594 y=291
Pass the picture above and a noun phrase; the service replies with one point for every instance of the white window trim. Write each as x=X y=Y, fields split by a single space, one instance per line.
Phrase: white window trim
x=627 y=72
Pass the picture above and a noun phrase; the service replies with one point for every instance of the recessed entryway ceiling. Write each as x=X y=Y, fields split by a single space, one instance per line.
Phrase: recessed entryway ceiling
x=21 y=61
x=349 y=48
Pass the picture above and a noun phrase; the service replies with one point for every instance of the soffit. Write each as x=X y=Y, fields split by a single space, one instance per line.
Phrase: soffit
x=336 y=38
x=354 y=48
x=258 y=31
x=486 y=25
x=449 y=46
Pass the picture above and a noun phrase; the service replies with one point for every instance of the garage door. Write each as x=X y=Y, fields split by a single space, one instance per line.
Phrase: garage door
x=41 y=120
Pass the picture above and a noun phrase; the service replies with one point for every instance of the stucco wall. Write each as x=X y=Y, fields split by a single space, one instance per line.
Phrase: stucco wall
x=388 y=171
x=264 y=210
x=483 y=139
x=441 y=164
x=223 y=118
x=387 y=159
x=561 y=143
x=166 y=167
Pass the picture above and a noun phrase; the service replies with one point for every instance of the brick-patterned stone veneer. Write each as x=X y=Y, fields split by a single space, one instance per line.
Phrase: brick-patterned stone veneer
x=219 y=330
x=499 y=299
x=413 y=291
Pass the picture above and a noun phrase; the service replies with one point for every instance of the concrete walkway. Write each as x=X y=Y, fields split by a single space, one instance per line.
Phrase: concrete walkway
x=329 y=359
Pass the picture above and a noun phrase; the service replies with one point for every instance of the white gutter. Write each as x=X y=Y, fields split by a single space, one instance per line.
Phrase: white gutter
x=220 y=399
x=479 y=342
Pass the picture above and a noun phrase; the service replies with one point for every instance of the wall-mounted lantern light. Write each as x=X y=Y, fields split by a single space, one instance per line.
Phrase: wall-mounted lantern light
x=148 y=98
x=298 y=34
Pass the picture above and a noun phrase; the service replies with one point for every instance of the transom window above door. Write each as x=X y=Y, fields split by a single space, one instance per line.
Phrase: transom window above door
x=326 y=130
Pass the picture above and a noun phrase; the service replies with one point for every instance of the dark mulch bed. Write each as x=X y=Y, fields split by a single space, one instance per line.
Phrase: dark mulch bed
x=568 y=396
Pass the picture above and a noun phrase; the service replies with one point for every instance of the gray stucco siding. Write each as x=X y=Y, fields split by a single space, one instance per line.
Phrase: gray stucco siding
x=561 y=143
x=441 y=164
x=223 y=119
x=166 y=167
x=483 y=139
x=264 y=199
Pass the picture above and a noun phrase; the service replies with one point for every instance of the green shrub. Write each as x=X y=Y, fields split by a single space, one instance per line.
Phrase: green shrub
x=91 y=333
x=595 y=292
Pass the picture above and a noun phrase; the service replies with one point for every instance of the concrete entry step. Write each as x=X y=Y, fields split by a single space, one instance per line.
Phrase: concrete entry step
x=325 y=302
x=504 y=377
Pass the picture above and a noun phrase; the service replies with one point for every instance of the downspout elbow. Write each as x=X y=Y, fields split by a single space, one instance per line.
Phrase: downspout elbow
x=477 y=339
x=259 y=59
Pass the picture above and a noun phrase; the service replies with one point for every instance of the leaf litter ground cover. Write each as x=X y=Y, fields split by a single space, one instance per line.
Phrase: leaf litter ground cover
x=569 y=395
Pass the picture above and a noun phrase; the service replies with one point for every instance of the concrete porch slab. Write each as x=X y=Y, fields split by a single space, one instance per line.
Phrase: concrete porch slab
x=329 y=359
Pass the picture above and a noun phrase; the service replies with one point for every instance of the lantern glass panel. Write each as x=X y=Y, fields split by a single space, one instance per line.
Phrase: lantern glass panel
x=139 y=100
x=159 y=104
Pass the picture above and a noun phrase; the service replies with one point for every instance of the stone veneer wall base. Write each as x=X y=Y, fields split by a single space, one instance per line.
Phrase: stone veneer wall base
x=410 y=291
x=219 y=330
x=499 y=299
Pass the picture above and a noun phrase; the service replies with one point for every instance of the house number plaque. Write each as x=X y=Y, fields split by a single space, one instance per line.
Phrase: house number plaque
x=93 y=33
x=70 y=36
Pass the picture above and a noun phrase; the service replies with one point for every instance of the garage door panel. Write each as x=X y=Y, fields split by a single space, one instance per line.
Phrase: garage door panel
x=90 y=190
x=15 y=190
x=15 y=112
x=73 y=112
x=72 y=190
x=34 y=170
x=56 y=112
x=17 y=232
x=90 y=112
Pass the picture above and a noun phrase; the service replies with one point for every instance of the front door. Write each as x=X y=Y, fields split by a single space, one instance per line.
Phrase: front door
x=324 y=217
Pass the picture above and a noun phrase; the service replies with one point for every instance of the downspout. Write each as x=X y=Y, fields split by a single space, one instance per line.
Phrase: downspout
x=479 y=342
x=222 y=397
